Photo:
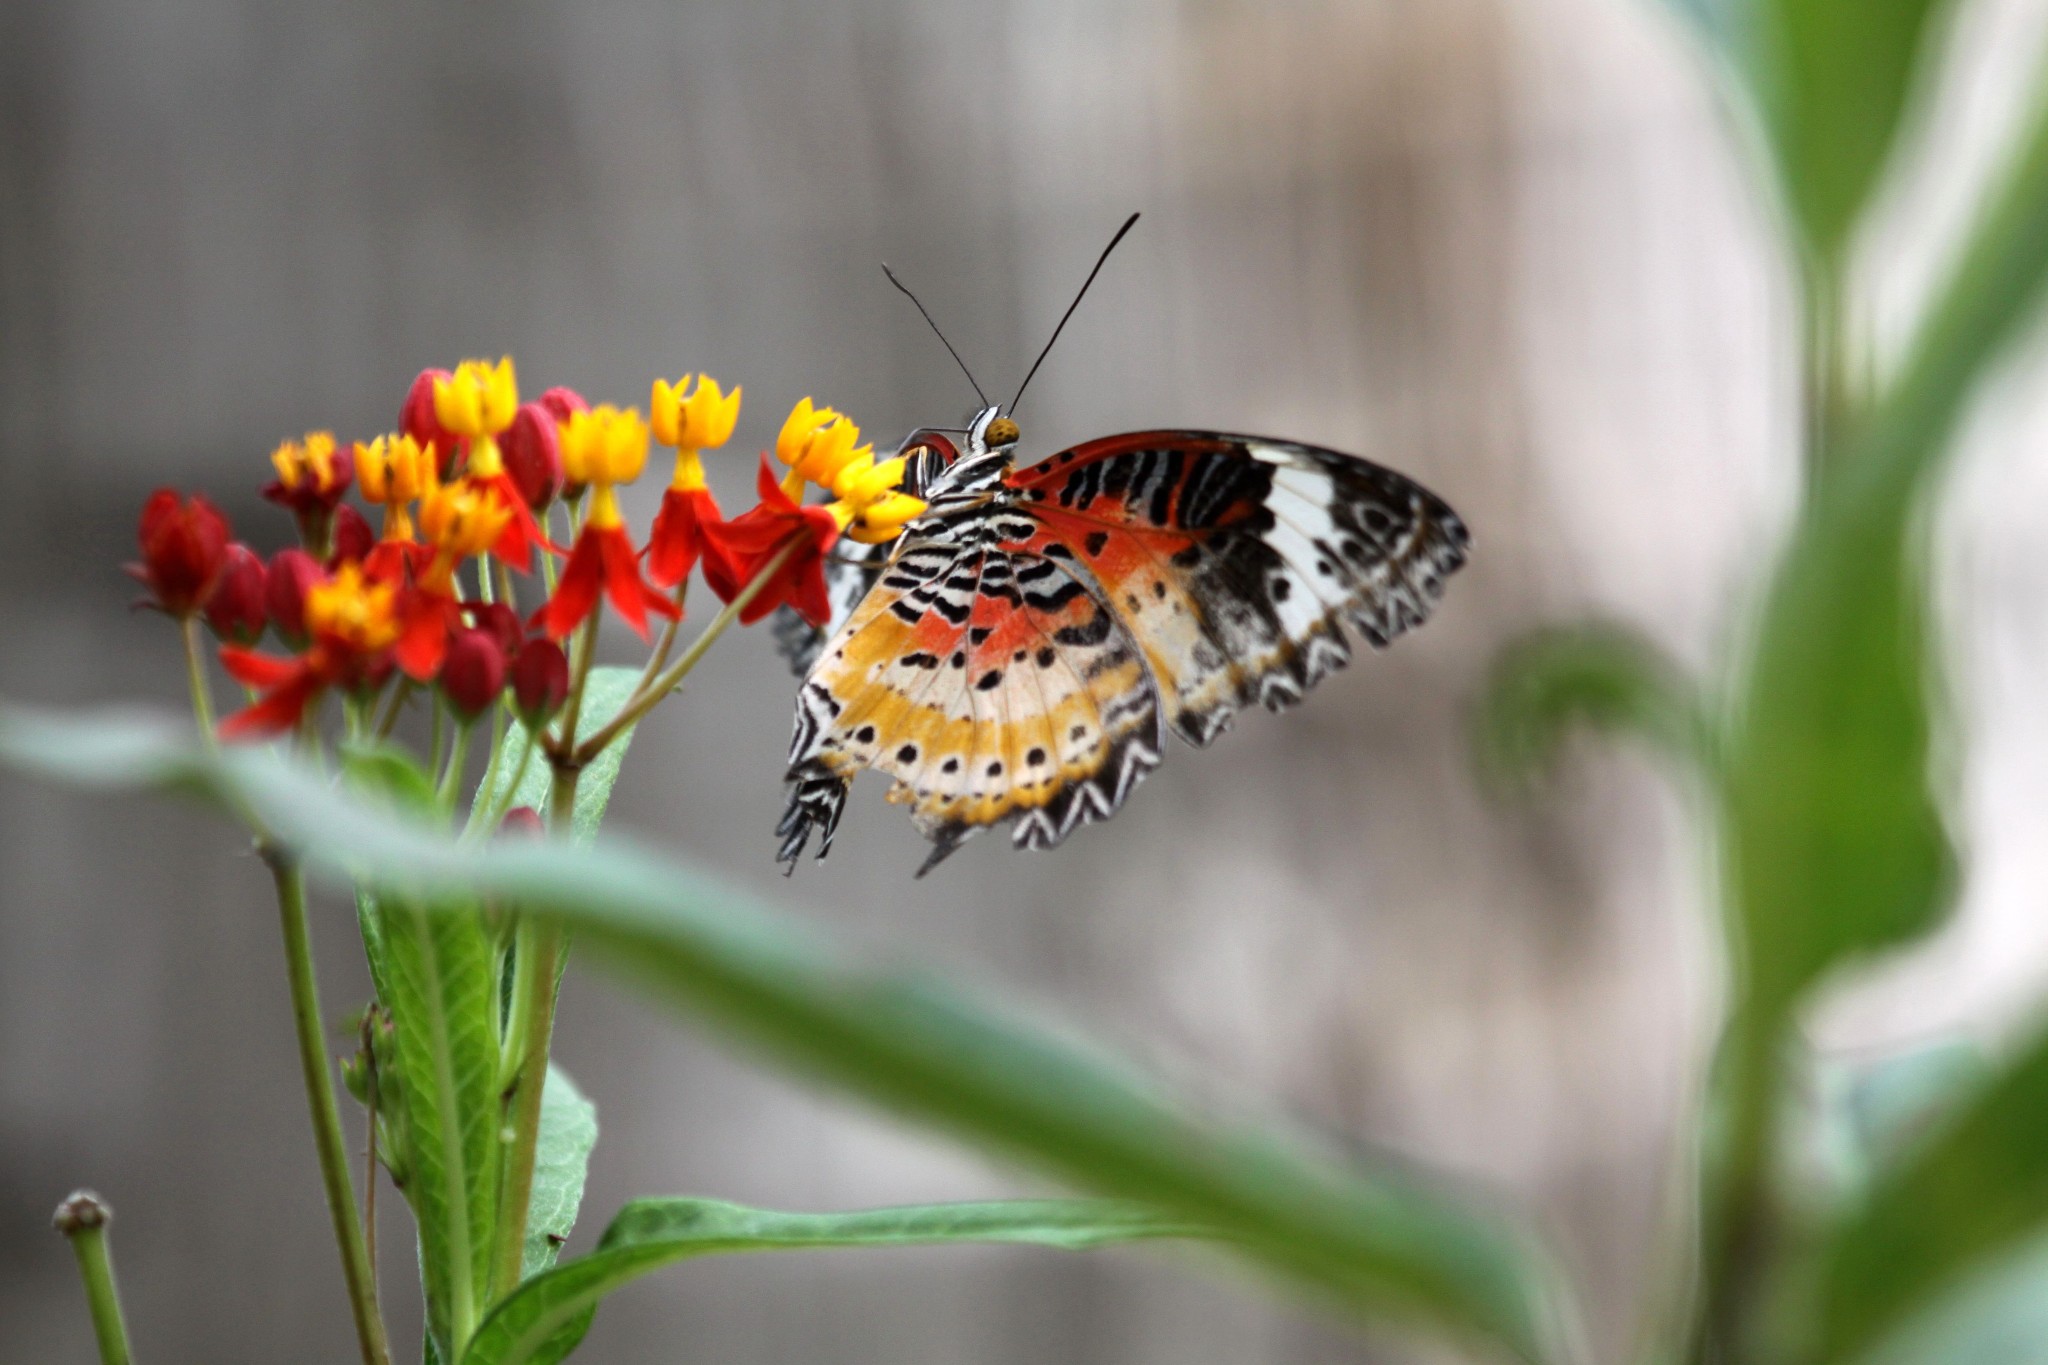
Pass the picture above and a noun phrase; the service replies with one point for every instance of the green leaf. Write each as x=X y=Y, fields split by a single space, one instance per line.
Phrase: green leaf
x=389 y=773
x=1976 y=1191
x=1832 y=79
x=607 y=689
x=568 y=1131
x=1831 y=82
x=1999 y=1317
x=438 y=966
x=1375 y=1241
x=1835 y=844
x=546 y=1319
x=1608 y=677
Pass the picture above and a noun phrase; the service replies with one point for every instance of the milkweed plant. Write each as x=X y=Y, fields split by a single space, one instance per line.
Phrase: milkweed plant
x=437 y=616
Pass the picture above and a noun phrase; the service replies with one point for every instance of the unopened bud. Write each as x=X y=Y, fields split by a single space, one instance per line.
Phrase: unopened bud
x=473 y=674
x=83 y=1211
x=532 y=450
x=291 y=575
x=350 y=537
x=418 y=419
x=540 y=681
x=235 y=611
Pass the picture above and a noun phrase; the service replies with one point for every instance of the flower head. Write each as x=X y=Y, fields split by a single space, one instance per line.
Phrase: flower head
x=817 y=444
x=395 y=472
x=473 y=674
x=313 y=474
x=349 y=537
x=701 y=419
x=184 y=549
x=418 y=419
x=290 y=577
x=352 y=620
x=461 y=520
x=781 y=539
x=540 y=681
x=352 y=611
x=479 y=399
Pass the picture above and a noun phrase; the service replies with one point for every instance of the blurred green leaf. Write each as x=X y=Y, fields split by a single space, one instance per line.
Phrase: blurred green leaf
x=606 y=691
x=1975 y=1191
x=1997 y=1317
x=1381 y=1242
x=546 y=1319
x=1830 y=81
x=389 y=773
x=1607 y=677
x=568 y=1132
x=438 y=966
x=1835 y=844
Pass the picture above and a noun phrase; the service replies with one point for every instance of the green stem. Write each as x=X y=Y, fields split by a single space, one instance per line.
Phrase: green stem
x=648 y=696
x=83 y=1218
x=399 y=696
x=503 y=803
x=327 y=1135
x=458 y=756
x=1740 y=1214
x=195 y=674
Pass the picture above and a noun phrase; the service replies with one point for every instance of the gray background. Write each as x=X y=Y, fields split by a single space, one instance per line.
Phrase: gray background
x=1508 y=247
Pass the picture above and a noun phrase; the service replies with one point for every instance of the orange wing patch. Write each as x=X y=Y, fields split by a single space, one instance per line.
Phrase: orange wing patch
x=991 y=686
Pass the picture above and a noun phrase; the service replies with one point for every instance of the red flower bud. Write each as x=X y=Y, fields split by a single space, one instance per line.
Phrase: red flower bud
x=350 y=537
x=184 y=548
x=561 y=401
x=418 y=419
x=473 y=673
x=291 y=574
x=499 y=622
x=235 y=610
x=540 y=681
x=532 y=451
x=521 y=822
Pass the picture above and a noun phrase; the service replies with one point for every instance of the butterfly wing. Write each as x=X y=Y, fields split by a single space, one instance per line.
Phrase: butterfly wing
x=991 y=686
x=1235 y=561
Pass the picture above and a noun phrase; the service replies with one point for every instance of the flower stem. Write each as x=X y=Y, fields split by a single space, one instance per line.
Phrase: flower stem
x=648 y=695
x=538 y=949
x=83 y=1218
x=327 y=1136
x=195 y=673
x=451 y=776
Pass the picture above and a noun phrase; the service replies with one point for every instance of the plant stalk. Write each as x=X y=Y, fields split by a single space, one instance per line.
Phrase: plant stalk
x=648 y=696
x=83 y=1219
x=195 y=673
x=326 y=1114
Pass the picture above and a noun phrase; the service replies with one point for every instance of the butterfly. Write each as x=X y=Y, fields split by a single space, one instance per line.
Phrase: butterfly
x=1022 y=652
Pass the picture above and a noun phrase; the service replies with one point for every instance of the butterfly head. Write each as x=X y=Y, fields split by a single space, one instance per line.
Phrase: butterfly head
x=991 y=430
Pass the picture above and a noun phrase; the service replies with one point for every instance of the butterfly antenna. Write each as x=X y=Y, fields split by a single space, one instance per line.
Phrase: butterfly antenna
x=1100 y=261
x=936 y=332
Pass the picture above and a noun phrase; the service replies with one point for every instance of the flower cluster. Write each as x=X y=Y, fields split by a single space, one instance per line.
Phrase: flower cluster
x=456 y=587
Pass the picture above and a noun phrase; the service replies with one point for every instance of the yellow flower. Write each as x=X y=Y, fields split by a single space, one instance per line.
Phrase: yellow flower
x=462 y=519
x=700 y=420
x=394 y=471
x=803 y=424
x=479 y=399
x=861 y=481
x=351 y=608
x=308 y=464
x=603 y=447
x=883 y=519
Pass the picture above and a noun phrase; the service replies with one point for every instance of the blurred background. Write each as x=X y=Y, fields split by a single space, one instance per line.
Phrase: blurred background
x=1508 y=246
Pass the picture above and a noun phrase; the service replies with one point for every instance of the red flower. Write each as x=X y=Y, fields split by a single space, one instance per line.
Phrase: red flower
x=603 y=558
x=678 y=536
x=736 y=551
x=426 y=618
x=418 y=420
x=235 y=611
x=532 y=451
x=313 y=476
x=473 y=674
x=184 y=549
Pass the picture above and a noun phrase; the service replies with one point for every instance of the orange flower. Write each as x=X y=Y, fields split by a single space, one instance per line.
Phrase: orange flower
x=602 y=448
x=476 y=403
x=701 y=420
x=353 y=623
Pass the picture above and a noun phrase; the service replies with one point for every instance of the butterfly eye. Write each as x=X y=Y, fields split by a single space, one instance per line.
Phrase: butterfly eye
x=1001 y=432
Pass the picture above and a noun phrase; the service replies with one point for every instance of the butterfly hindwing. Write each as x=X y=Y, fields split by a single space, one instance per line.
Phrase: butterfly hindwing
x=992 y=686
x=1235 y=561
